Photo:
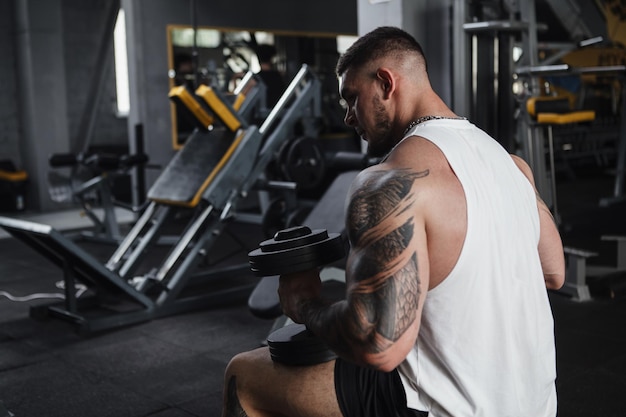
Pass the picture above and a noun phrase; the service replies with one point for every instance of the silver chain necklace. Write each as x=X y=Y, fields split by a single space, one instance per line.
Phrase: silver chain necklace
x=415 y=123
x=427 y=118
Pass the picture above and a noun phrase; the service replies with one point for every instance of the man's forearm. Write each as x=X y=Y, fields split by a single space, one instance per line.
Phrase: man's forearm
x=334 y=324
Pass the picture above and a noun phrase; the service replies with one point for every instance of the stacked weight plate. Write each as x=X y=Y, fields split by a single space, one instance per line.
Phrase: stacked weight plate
x=295 y=345
x=294 y=250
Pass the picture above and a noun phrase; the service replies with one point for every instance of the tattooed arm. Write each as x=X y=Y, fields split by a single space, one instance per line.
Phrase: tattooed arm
x=387 y=274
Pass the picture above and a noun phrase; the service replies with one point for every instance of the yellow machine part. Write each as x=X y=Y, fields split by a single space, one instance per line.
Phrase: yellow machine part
x=182 y=96
x=239 y=101
x=547 y=104
x=16 y=176
x=613 y=12
x=219 y=108
x=566 y=118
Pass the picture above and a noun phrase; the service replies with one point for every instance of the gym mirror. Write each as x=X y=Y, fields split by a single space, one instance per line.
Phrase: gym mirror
x=222 y=55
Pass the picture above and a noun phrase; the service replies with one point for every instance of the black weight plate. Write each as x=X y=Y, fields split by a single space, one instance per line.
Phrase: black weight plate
x=298 y=240
x=288 y=268
x=291 y=333
x=313 y=256
x=313 y=345
x=296 y=251
x=294 y=359
x=304 y=163
x=295 y=345
x=330 y=249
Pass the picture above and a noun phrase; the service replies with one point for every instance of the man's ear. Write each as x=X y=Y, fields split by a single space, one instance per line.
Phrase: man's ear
x=387 y=81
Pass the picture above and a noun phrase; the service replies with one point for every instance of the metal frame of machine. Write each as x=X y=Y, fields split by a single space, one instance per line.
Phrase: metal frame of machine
x=117 y=297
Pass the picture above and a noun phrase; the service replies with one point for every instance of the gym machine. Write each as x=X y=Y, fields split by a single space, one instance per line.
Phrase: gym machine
x=537 y=119
x=90 y=184
x=541 y=119
x=217 y=168
x=566 y=115
x=92 y=175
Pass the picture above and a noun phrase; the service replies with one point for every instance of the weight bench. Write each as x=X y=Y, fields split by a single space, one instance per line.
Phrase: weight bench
x=91 y=180
x=576 y=273
x=577 y=269
x=327 y=214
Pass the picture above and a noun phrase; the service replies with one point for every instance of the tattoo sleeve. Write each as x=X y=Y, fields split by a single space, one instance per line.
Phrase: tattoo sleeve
x=384 y=279
x=233 y=408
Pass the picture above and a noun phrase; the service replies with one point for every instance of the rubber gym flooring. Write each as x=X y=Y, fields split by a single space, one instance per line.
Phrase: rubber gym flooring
x=173 y=366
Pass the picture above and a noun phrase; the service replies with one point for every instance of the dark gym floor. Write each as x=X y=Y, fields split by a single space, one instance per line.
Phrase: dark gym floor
x=173 y=366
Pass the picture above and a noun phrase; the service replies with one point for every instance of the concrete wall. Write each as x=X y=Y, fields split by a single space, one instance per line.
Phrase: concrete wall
x=83 y=29
x=9 y=126
x=41 y=99
x=49 y=50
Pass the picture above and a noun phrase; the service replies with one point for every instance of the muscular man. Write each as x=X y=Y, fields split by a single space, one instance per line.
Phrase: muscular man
x=446 y=312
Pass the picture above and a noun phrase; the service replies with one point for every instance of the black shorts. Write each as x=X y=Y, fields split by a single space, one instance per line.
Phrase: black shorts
x=364 y=392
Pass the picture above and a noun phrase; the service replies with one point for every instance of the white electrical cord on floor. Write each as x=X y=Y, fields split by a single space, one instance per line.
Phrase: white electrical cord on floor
x=80 y=289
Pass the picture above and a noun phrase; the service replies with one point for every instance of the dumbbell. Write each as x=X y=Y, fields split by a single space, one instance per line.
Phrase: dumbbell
x=296 y=249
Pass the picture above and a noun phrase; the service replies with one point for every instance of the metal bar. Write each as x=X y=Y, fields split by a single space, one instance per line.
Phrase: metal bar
x=282 y=102
x=193 y=11
x=620 y=168
x=461 y=61
x=182 y=244
x=147 y=240
x=564 y=69
x=140 y=169
x=620 y=173
x=111 y=227
x=555 y=209
x=179 y=278
x=115 y=259
x=495 y=25
x=576 y=284
x=249 y=76
x=70 y=286
x=305 y=96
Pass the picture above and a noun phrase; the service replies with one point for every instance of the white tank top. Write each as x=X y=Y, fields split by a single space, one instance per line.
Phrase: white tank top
x=486 y=342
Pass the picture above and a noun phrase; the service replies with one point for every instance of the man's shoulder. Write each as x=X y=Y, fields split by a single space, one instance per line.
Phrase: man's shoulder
x=418 y=153
x=384 y=179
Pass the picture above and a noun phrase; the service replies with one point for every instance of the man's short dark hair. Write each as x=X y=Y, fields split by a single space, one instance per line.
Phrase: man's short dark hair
x=380 y=42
